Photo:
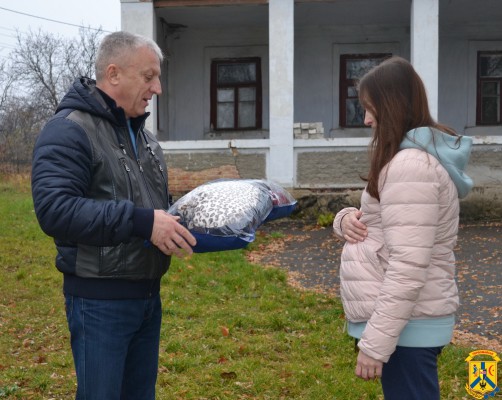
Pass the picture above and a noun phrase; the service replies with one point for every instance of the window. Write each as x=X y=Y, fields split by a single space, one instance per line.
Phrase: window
x=488 y=104
x=236 y=94
x=352 y=68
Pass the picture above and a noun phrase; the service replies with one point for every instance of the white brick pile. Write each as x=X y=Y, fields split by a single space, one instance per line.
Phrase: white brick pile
x=308 y=130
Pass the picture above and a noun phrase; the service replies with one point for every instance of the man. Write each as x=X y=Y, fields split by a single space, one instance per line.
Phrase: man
x=100 y=189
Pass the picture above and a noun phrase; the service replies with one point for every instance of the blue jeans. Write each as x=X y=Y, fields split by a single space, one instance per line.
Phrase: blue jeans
x=115 y=346
x=412 y=374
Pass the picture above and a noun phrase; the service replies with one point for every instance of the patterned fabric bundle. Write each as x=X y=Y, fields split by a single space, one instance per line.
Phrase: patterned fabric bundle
x=224 y=214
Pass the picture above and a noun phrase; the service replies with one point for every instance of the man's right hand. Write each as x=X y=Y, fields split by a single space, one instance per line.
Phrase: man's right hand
x=353 y=230
x=170 y=236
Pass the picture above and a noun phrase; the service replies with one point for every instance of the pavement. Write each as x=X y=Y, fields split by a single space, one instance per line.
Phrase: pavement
x=311 y=256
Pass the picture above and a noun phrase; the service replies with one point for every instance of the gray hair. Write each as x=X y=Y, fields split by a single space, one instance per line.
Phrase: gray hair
x=118 y=45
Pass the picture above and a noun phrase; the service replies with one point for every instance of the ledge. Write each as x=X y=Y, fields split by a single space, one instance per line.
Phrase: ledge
x=264 y=144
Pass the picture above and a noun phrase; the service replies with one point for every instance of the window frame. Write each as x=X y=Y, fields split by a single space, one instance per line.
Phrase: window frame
x=345 y=83
x=479 y=82
x=257 y=85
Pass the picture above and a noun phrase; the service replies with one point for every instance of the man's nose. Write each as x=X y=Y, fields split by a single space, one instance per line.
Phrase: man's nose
x=157 y=87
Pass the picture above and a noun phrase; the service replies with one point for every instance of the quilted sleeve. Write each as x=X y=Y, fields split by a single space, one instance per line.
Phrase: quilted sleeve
x=61 y=176
x=337 y=222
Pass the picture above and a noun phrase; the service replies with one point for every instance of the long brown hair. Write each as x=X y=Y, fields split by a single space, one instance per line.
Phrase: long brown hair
x=395 y=95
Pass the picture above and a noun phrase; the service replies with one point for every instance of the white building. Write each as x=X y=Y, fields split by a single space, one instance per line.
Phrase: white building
x=264 y=89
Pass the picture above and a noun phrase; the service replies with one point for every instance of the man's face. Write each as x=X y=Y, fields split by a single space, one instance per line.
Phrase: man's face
x=139 y=80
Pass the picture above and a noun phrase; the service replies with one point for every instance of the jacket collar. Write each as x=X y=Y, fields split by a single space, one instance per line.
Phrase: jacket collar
x=119 y=114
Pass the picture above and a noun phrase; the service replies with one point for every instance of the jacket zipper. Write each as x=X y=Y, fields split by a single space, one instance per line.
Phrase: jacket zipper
x=140 y=166
x=123 y=161
x=147 y=243
x=159 y=166
x=141 y=169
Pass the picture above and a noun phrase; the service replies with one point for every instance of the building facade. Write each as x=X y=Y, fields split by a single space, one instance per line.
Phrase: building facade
x=266 y=88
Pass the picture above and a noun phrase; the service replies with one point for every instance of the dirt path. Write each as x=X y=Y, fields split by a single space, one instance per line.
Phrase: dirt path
x=311 y=256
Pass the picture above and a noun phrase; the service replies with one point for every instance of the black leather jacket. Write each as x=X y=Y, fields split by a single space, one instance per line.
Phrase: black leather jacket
x=96 y=198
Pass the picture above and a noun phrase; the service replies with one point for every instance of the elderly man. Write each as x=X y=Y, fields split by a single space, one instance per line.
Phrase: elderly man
x=99 y=185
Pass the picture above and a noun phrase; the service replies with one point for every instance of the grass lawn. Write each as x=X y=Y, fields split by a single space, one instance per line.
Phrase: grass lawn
x=231 y=329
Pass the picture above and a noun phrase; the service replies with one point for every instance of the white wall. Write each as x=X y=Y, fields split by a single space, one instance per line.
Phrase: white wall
x=189 y=75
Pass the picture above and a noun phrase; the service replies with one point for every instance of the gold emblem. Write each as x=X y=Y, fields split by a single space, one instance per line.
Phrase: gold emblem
x=482 y=374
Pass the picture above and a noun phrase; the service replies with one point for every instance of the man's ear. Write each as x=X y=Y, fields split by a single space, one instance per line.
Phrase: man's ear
x=112 y=74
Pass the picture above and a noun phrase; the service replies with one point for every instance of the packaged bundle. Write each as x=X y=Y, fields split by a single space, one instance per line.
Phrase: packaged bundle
x=225 y=214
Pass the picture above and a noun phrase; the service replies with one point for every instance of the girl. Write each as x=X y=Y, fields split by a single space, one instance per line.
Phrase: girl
x=397 y=269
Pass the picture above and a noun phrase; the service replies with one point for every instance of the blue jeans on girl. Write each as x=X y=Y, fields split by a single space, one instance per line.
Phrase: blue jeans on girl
x=412 y=374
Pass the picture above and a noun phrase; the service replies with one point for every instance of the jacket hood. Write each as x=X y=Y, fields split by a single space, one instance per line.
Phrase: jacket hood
x=84 y=96
x=452 y=152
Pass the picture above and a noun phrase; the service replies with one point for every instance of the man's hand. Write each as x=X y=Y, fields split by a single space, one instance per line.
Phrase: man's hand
x=353 y=230
x=170 y=236
x=368 y=368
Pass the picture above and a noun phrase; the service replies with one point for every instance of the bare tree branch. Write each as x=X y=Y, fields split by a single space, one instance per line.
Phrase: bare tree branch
x=33 y=82
x=48 y=64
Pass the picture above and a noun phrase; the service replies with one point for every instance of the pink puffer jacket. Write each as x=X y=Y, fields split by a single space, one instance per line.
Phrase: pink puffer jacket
x=405 y=268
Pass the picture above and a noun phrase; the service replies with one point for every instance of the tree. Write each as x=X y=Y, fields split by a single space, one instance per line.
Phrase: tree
x=47 y=64
x=6 y=80
x=20 y=125
x=33 y=82
x=20 y=119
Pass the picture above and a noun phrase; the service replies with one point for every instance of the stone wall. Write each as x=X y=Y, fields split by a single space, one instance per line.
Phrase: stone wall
x=331 y=168
x=482 y=204
x=189 y=170
x=328 y=180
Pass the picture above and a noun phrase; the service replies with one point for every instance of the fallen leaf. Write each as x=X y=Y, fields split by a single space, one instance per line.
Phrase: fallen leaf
x=228 y=375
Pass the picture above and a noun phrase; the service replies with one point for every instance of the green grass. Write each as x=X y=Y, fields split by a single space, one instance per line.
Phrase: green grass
x=231 y=330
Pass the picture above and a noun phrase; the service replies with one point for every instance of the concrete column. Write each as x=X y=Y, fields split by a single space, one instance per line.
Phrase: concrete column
x=280 y=165
x=425 y=47
x=138 y=16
